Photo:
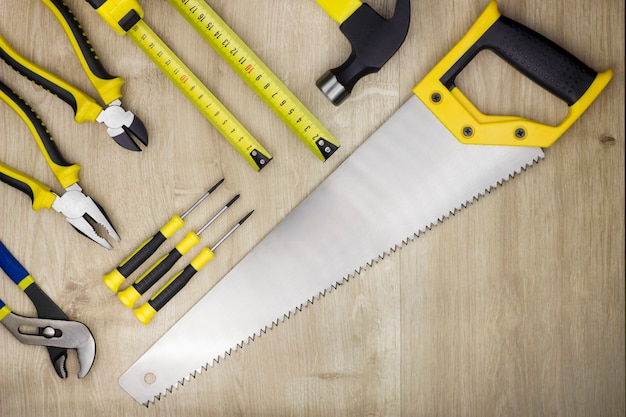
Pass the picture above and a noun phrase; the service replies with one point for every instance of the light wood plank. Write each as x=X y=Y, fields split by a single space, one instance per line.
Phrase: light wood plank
x=514 y=306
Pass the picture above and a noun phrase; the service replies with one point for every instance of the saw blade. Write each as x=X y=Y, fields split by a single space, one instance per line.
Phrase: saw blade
x=409 y=175
x=434 y=156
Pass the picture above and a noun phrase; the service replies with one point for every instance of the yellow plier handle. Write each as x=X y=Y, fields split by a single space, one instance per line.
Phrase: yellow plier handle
x=85 y=108
x=108 y=86
x=65 y=172
x=339 y=10
x=40 y=194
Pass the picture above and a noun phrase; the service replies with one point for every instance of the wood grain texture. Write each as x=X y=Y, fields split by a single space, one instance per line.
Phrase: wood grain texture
x=513 y=307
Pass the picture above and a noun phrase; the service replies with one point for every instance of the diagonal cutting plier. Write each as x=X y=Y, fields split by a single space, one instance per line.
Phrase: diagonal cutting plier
x=78 y=209
x=54 y=329
x=122 y=125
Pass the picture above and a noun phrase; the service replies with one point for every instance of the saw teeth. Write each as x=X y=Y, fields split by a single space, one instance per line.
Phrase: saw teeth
x=347 y=278
x=422 y=229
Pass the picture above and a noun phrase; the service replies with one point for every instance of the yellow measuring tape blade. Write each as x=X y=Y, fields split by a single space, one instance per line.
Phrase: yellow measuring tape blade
x=199 y=95
x=258 y=76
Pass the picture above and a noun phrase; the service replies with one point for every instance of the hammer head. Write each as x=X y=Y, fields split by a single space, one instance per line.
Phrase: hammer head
x=374 y=41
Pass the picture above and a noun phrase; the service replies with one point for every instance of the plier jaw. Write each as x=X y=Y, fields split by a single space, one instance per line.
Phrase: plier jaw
x=122 y=125
x=79 y=210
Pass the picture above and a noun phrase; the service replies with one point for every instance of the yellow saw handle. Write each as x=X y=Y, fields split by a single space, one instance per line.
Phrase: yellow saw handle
x=536 y=57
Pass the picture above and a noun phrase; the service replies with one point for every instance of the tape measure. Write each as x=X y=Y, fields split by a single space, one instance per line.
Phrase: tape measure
x=126 y=18
x=258 y=76
x=199 y=95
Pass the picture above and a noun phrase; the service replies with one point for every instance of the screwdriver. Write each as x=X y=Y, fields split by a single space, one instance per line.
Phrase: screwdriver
x=145 y=313
x=115 y=278
x=130 y=295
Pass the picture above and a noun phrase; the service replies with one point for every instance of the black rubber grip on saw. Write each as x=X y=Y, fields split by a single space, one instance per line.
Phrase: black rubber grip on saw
x=533 y=55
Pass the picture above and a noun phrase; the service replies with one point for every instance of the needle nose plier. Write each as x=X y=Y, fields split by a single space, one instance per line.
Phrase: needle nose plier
x=73 y=204
x=122 y=125
x=54 y=329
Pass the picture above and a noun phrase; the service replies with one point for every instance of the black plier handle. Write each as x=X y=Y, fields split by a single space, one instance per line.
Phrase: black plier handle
x=121 y=124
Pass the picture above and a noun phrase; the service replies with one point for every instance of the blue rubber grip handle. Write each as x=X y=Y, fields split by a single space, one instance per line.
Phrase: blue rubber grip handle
x=11 y=266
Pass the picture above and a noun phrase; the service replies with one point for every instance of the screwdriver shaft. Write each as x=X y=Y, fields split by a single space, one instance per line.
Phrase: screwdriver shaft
x=130 y=295
x=201 y=199
x=114 y=279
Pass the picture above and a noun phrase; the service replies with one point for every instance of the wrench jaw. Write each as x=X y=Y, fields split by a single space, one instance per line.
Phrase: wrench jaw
x=62 y=334
x=59 y=366
x=86 y=353
x=123 y=126
x=79 y=209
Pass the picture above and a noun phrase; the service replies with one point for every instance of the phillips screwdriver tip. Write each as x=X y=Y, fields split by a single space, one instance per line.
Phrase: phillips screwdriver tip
x=230 y=203
x=231 y=231
x=245 y=217
x=201 y=199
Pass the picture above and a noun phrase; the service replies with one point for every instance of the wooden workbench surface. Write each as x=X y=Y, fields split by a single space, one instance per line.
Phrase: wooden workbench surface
x=512 y=307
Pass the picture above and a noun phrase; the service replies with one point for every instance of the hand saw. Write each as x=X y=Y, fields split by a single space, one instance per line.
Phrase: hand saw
x=427 y=161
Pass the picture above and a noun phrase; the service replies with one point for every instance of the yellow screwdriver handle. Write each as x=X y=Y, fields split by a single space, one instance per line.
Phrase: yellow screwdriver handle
x=115 y=278
x=145 y=313
x=130 y=295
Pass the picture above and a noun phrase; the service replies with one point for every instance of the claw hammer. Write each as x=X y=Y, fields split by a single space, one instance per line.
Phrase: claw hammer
x=374 y=41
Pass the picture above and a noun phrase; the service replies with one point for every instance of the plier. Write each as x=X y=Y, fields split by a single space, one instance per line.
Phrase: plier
x=121 y=124
x=54 y=329
x=77 y=208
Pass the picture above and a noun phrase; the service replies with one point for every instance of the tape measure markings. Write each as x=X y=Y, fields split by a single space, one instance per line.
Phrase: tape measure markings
x=258 y=76
x=213 y=110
